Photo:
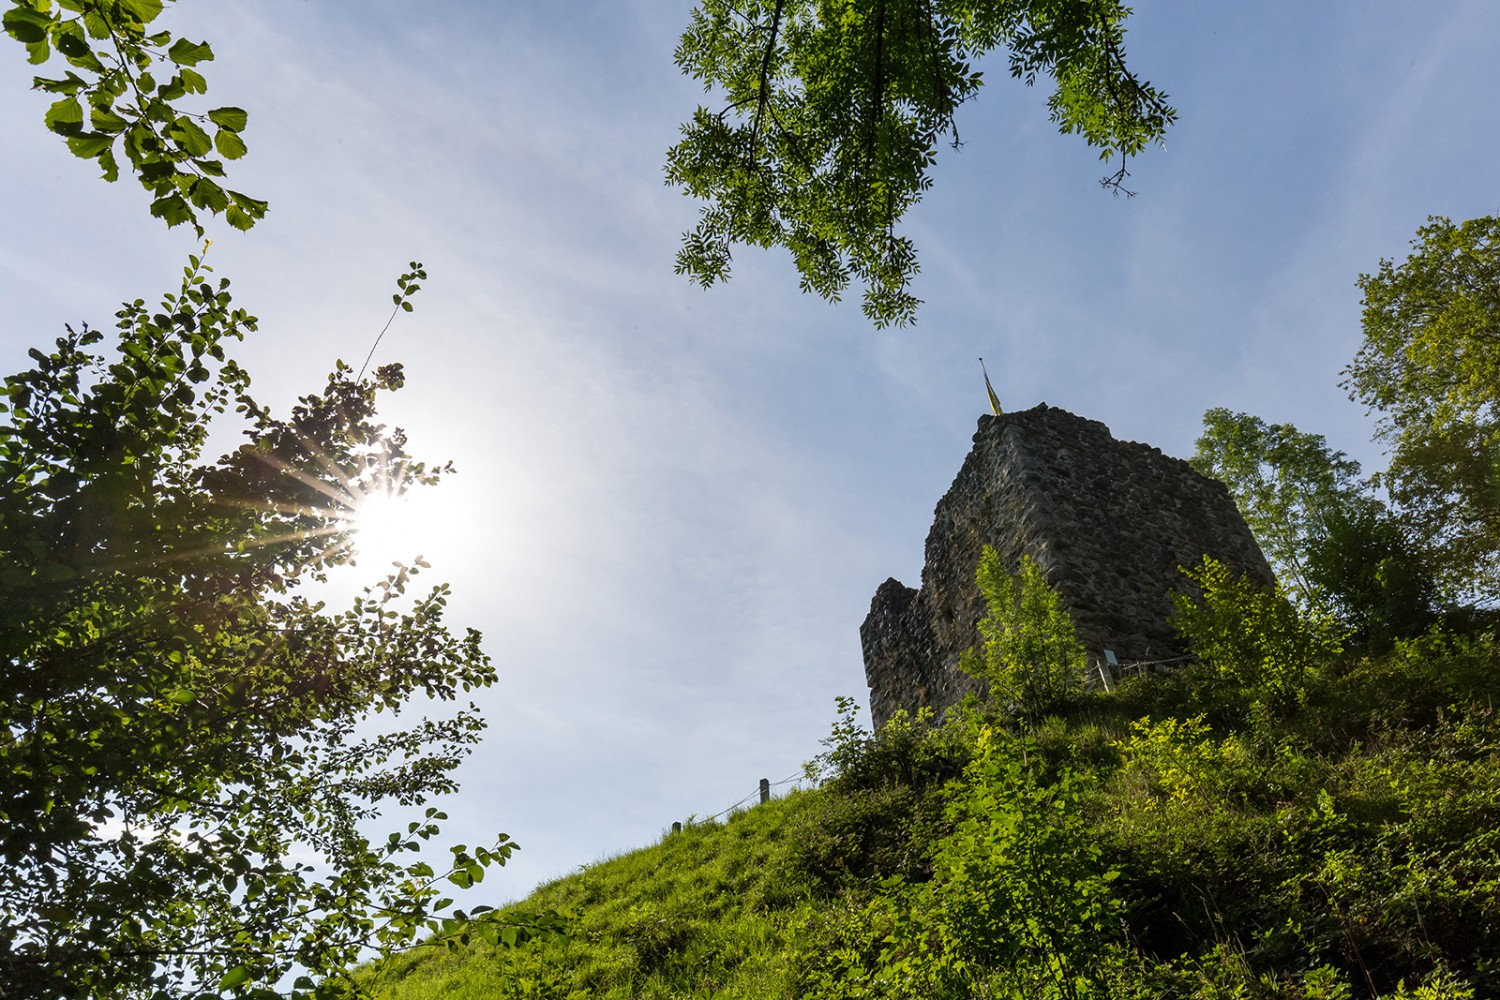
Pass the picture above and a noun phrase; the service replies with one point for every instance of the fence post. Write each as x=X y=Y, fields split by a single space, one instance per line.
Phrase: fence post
x=765 y=790
x=676 y=827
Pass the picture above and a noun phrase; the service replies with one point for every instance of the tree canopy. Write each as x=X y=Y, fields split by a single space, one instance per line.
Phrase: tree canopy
x=1288 y=485
x=124 y=97
x=192 y=749
x=189 y=747
x=832 y=111
x=1334 y=544
x=1430 y=363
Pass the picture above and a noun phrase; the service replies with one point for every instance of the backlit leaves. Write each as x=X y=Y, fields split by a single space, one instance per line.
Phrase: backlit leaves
x=128 y=81
x=831 y=112
x=184 y=732
x=1287 y=484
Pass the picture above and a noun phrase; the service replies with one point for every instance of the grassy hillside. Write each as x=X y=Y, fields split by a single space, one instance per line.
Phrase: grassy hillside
x=1204 y=833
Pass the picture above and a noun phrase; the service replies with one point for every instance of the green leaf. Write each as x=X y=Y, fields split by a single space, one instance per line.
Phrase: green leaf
x=155 y=172
x=192 y=81
x=71 y=84
x=26 y=25
x=192 y=139
x=144 y=11
x=237 y=976
x=89 y=144
x=253 y=207
x=206 y=194
x=229 y=144
x=95 y=24
x=70 y=44
x=105 y=120
x=65 y=117
x=233 y=119
x=186 y=53
x=238 y=218
x=172 y=209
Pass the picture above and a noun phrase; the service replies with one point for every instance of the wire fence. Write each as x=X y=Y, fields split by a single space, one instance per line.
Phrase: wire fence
x=1117 y=668
x=762 y=792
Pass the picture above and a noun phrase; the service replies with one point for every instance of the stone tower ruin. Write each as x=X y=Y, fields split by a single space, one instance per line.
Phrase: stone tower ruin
x=1109 y=523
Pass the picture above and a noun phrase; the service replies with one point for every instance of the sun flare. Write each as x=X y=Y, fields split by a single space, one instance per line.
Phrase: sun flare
x=397 y=518
x=390 y=527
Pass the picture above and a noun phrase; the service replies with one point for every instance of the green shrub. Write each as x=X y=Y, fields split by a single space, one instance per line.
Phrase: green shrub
x=882 y=803
x=1019 y=903
x=1020 y=894
x=1252 y=635
x=913 y=752
x=1032 y=658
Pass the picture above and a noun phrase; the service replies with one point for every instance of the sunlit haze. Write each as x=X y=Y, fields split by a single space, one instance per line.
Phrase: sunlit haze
x=389 y=528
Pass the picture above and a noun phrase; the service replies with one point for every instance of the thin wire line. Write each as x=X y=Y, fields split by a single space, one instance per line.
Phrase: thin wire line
x=747 y=798
x=378 y=338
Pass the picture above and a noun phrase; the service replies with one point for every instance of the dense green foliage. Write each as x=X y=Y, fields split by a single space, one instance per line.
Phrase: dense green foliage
x=832 y=112
x=1031 y=658
x=1421 y=540
x=1332 y=542
x=1282 y=820
x=122 y=97
x=193 y=752
x=188 y=745
x=1430 y=363
x=1289 y=486
x=1253 y=636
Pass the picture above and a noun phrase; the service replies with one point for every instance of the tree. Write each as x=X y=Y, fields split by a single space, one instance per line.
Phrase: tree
x=832 y=112
x=121 y=97
x=1430 y=363
x=1374 y=575
x=189 y=752
x=191 y=749
x=1287 y=485
x=1330 y=539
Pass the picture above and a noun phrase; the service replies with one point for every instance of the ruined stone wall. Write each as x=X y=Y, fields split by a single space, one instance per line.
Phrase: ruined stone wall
x=1109 y=522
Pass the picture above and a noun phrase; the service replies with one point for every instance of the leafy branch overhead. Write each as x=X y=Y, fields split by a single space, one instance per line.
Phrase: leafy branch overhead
x=121 y=97
x=832 y=111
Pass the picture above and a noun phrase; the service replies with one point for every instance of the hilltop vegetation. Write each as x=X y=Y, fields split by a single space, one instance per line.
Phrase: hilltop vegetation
x=1285 y=818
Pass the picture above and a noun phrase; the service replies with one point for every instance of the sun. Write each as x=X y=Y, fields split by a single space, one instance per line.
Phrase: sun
x=396 y=527
x=383 y=528
x=442 y=525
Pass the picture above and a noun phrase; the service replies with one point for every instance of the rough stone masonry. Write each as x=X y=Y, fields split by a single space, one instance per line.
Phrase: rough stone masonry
x=1109 y=522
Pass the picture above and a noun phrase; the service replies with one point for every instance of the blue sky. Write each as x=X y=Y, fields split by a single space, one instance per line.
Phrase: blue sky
x=676 y=504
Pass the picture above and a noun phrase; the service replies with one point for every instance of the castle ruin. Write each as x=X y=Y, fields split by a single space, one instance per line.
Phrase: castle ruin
x=1109 y=522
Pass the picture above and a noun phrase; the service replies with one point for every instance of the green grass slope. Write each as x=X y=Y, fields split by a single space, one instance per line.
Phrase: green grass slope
x=709 y=911
x=1195 y=834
